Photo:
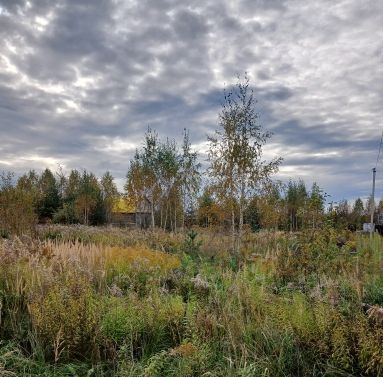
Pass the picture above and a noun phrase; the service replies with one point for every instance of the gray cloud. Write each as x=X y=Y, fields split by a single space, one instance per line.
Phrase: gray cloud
x=81 y=81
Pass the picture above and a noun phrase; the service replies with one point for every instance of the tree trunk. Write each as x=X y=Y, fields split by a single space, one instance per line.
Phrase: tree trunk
x=166 y=214
x=152 y=212
x=183 y=211
x=233 y=229
x=161 y=217
x=240 y=225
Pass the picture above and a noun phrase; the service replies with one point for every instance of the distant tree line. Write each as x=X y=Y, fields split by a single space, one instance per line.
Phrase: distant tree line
x=288 y=207
x=344 y=215
x=236 y=191
x=79 y=197
x=177 y=198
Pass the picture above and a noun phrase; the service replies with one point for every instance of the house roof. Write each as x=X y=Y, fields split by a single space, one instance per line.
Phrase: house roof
x=123 y=205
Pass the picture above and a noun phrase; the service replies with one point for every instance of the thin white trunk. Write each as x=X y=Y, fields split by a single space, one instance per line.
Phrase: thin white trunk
x=152 y=212
x=241 y=209
x=175 y=218
x=240 y=229
x=166 y=214
x=232 y=229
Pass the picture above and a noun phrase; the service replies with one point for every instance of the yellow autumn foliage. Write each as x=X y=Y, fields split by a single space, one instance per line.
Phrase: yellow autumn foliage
x=138 y=258
x=187 y=349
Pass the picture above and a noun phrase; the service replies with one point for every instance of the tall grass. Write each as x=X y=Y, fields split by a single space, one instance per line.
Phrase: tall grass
x=82 y=301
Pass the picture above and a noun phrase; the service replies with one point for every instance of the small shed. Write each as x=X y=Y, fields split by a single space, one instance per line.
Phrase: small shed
x=377 y=226
x=126 y=213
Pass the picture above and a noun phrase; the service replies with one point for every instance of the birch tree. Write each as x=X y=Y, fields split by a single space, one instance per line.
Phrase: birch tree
x=168 y=174
x=87 y=196
x=109 y=194
x=296 y=199
x=142 y=178
x=236 y=159
x=190 y=177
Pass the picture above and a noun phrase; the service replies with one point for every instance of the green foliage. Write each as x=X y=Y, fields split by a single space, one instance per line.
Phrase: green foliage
x=373 y=294
x=311 y=254
x=17 y=208
x=109 y=195
x=49 y=200
x=168 y=178
x=69 y=308
x=237 y=167
x=66 y=319
x=160 y=328
x=252 y=215
x=209 y=211
x=80 y=197
x=191 y=245
x=296 y=197
x=187 y=359
x=88 y=197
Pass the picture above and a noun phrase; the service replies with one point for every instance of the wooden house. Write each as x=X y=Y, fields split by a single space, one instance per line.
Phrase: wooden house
x=126 y=213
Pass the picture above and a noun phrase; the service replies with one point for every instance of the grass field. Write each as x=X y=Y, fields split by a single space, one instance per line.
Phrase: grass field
x=82 y=301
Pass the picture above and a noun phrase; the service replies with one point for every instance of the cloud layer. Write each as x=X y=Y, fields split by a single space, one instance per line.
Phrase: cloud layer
x=80 y=81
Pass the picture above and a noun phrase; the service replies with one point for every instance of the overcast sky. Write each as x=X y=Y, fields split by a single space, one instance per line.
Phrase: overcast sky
x=80 y=81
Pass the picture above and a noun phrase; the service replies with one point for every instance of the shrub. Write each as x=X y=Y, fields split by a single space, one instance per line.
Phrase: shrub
x=137 y=268
x=66 y=319
x=191 y=245
x=144 y=325
x=373 y=293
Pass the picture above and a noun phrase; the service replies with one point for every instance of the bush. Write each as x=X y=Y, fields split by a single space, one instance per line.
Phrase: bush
x=17 y=209
x=146 y=326
x=138 y=268
x=66 y=319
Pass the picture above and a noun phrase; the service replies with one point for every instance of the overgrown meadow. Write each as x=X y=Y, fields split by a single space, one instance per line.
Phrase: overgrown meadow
x=84 y=301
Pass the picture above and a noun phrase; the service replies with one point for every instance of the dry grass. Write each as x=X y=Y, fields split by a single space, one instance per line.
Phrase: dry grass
x=145 y=307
